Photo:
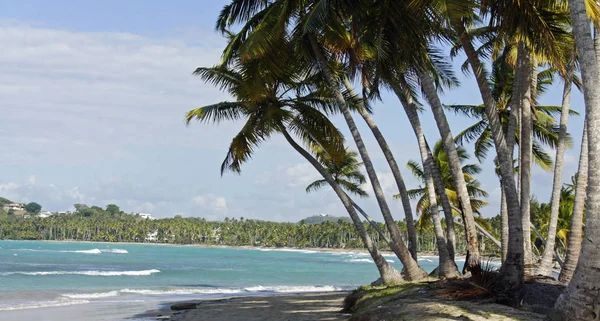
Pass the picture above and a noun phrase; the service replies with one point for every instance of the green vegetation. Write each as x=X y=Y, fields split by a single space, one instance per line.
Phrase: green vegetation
x=318 y=219
x=367 y=297
x=92 y=223
x=33 y=208
x=4 y=201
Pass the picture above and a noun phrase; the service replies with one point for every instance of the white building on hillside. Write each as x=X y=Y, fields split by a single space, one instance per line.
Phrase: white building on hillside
x=14 y=207
x=45 y=214
x=145 y=216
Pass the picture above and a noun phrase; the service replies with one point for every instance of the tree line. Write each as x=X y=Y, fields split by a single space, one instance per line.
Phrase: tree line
x=94 y=224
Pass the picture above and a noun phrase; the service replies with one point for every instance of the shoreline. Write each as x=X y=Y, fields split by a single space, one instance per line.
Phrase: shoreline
x=247 y=247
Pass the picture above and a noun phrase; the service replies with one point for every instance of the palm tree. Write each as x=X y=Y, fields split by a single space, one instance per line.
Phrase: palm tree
x=441 y=162
x=580 y=299
x=266 y=20
x=345 y=172
x=387 y=152
x=545 y=264
x=502 y=77
x=430 y=92
x=390 y=63
x=266 y=102
x=348 y=175
x=576 y=227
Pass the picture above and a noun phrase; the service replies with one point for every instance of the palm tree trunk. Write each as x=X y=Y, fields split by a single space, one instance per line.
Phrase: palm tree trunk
x=545 y=267
x=503 y=226
x=524 y=67
x=440 y=190
x=513 y=267
x=576 y=234
x=581 y=299
x=411 y=267
x=408 y=104
x=473 y=264
x=447 y=268
x=387 y=152
x=389 y=275
x=373 y=224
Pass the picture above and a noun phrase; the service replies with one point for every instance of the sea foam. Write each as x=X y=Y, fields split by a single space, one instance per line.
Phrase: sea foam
x=200 y=291
x=42 y=304
x=88 y=273
x=91 y=295
x=91 y=251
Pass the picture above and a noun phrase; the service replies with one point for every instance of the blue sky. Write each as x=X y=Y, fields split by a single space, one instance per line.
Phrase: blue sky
x=92 y=98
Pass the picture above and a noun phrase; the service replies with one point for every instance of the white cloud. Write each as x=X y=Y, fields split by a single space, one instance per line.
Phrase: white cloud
x=84 y=95
x=301 y=174
x=211 y=202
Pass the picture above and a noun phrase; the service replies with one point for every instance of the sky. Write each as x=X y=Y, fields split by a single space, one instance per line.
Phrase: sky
x=92 y=100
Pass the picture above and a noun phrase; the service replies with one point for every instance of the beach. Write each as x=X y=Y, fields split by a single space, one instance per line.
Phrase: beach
x=290 y=307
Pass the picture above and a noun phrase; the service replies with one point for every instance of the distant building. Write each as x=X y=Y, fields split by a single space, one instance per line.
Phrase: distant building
x=45 y=214
x=145 y=216
x=152 y=237
x=14 y=206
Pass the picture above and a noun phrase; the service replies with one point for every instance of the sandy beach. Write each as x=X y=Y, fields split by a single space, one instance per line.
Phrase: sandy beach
x=325 y=306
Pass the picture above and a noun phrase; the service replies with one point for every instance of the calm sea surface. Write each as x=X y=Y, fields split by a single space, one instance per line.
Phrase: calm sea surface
x=38 y=280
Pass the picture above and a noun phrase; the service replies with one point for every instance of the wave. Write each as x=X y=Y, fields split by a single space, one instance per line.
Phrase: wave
x=360 y=260
x=91 y=295
x=200 y=291
x=183 y=291
x=116 y=251
x=297 y=289
x=92 y=251
x=291 y=250
x=42 y=304
x=88 y=273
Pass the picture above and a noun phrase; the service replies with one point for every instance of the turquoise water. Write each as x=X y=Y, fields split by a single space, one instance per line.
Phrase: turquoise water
x=37 y=274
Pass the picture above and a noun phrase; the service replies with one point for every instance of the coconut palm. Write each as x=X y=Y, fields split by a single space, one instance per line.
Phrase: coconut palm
x=503 y=78
x=347 y=174
x=469 y=170
x=576 y=227
x=580 y=299
x=262 y=22
x=272 y=103
x=391 y=64
x=556 y=197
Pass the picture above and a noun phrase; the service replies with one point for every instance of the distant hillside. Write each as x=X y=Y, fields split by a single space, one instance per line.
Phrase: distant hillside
x=325 y=218
x=4 y=201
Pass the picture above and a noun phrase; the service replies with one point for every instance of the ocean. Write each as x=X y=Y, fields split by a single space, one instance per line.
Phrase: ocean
x=110 y=281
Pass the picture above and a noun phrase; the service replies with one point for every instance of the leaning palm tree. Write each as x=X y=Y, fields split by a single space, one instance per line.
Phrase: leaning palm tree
x=264 y=21
x=278 y=103
x=347 y=174
x=390 y=27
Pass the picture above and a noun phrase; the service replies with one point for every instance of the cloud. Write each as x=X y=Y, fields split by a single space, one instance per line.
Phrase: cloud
x=301 y=174
x=75 y=96
x=211 y=202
